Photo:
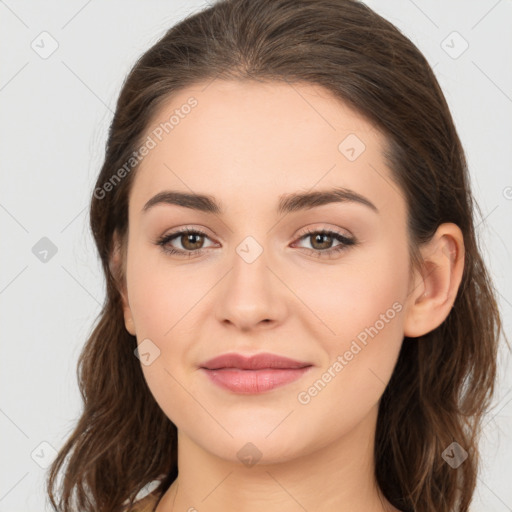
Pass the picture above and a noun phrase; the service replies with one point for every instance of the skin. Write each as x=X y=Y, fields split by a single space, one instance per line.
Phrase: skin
x=246 y=144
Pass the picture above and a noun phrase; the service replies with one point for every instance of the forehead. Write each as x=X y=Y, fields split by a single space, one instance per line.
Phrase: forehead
x=249 y=142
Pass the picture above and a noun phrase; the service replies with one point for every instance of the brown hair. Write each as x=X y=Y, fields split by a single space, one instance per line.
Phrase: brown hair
x=443 y=381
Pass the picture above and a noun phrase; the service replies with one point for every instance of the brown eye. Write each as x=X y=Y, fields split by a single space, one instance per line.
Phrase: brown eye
x=192 y=241
x=321 y=241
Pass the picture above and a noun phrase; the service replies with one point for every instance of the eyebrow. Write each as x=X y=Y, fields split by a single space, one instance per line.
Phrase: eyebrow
x=288 y=203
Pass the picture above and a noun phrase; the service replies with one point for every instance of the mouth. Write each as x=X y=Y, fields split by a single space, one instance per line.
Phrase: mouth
x=254 y=374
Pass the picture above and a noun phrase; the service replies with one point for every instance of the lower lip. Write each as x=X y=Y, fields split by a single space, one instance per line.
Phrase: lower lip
x=254 y=381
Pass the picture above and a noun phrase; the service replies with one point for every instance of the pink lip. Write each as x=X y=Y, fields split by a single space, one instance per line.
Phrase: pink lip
x=255 y=374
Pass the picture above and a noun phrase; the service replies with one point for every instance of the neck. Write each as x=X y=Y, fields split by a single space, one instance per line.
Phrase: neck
x=338 y=476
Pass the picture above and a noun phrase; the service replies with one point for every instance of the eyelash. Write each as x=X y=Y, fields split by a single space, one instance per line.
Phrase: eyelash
x=346 y=242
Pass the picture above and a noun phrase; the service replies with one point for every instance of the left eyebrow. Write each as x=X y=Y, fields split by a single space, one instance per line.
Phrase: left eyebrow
x=305 y=200
x=287 y=203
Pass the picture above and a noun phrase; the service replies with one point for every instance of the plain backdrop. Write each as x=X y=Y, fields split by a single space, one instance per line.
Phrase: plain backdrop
x=55 y=111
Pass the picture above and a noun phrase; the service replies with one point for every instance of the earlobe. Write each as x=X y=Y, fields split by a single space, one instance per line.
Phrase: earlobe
x=117 y=269
x=127 y=313
x=432 y=297
x=128 y=320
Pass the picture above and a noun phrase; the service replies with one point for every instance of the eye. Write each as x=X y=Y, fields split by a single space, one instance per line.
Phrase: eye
x=192 y=239
x=322 y=240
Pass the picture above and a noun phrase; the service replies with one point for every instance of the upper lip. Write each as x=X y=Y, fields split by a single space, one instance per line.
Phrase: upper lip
x=254 y=362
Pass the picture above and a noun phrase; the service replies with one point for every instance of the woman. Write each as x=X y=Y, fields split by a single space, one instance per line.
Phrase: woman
x=297 y=313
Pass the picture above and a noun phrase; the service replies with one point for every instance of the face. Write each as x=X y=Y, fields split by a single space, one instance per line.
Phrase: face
x=323 y=280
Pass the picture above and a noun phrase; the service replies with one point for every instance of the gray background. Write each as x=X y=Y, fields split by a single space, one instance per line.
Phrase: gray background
x=55 y=115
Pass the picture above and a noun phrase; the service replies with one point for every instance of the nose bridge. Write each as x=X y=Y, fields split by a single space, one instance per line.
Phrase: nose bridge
x=250 y=292
x=249 y=277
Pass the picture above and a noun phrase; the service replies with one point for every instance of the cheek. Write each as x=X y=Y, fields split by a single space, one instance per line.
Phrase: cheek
x=360 y=305
x=161 y=296
x=341 y=300
x=162 y=306
x=359 y=360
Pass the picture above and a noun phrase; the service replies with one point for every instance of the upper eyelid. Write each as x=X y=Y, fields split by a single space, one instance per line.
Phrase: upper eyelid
x=308 y=231
x=303 y=231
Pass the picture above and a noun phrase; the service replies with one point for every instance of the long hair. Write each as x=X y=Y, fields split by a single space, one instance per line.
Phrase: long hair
x=443 y=381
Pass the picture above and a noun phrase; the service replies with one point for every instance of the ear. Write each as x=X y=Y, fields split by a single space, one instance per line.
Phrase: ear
x=435 y=287
x=117 y=265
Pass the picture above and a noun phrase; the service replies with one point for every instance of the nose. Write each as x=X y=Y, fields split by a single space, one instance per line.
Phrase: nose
x=251 y=296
